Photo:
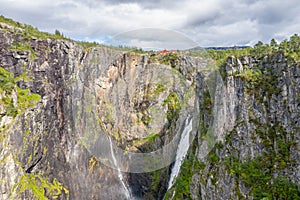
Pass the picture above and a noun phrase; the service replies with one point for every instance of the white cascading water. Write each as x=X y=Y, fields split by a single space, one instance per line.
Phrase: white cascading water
x=182 y=150
x=126 y=190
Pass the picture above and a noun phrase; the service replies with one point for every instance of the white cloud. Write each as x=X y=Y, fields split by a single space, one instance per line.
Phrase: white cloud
x=209 y=22
x=153 y=38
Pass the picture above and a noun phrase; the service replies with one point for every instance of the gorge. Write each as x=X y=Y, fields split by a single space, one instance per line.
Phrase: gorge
x=105 y=123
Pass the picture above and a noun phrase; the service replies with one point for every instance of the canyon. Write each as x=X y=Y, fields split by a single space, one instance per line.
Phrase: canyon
x=103 y=123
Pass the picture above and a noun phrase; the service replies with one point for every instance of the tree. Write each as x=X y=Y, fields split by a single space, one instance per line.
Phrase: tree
x=283 y=46
x=258 y=48
x=274 y=44
x=234 y=50
x=294 y=43
x=57 y=33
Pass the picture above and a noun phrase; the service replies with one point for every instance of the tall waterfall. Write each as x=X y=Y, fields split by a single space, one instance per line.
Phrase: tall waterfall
x=182 y=149
x=124 y=184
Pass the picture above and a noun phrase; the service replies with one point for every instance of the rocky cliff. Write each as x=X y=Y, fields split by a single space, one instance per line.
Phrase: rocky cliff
x=60 y=101
x=40 y=155
x=258 y=157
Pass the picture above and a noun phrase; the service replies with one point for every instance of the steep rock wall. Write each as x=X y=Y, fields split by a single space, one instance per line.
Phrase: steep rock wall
x=40 y=144
x=257 y=155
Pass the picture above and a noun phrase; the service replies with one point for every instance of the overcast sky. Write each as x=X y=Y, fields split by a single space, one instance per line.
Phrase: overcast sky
x=207 y=22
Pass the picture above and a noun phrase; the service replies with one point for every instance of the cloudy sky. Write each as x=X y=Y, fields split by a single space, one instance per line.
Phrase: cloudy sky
x=207 y=22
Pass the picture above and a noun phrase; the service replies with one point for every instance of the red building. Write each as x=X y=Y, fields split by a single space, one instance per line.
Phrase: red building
x=164 y=52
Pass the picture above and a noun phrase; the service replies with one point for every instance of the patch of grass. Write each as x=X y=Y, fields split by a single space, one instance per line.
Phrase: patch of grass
x=151 y=136
x=7 y=81
x=257 y=82
x=153 y=90
x=173 y=103
x=155 y=180
x=171 y=59
x=148 y=139
x=87 y=45
x=29 y=31
x=212 y=157
x=25 y=99
x=23 y=46
x=250 y=75
x=24 y=77
x=9 y=107
x=93 y=162
x=159 y=89
x=40 y=187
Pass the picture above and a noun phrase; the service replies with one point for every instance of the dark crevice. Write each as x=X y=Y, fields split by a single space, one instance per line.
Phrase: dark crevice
x=29 y=169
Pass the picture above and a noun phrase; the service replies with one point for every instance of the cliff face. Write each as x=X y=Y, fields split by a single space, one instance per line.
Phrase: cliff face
x=46 y=147
x=258 y=155
x=39 y=147
x=61 y=97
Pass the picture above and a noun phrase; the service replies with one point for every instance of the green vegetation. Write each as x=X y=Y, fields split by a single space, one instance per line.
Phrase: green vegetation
x=39 y=186
x=183 y=182
x=159 y=89
x=93 y=163
x=127 y=49
x=9 y=107
x=173 y=103
x=259 y=79
x=23 y=46
x=25 y=99
x=7 y=85
x=171 y=59
x=220 y=56
x=212 y=157
x=205 y=116
x=7 y=81
x=264 y=174
x=290 y=48
x=207 y=102
x=271 y=134
x=155 y=180
x=258 y=176
x=153 y=91
x=29 y=31
x=250 y=75
x=260 y=82
x=86 y=45
x=151 y=137
x=159 y=179
x=146 y=142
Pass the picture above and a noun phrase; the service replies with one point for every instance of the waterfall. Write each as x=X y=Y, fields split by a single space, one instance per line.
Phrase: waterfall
x=182 y=150
x=125 y=186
